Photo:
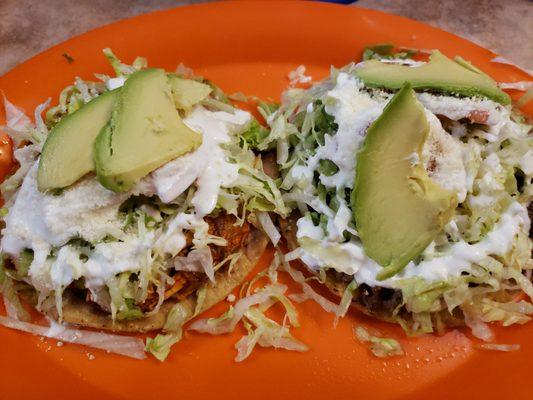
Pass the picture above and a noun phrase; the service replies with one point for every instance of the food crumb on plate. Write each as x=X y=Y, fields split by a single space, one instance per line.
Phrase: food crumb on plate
x=298 y=76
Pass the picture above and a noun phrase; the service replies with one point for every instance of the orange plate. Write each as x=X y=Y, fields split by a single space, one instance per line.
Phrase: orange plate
x=250 y=47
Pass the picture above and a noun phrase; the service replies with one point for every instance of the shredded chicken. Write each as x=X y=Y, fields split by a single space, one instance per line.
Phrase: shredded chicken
x=185 y=282
x=224 y=226
x=478 y=116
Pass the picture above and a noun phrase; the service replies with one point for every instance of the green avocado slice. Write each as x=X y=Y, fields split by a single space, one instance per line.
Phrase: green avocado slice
x=145 y=132
x=398 y=209
x=67 y=154
x=187 y=92
x=440 y=73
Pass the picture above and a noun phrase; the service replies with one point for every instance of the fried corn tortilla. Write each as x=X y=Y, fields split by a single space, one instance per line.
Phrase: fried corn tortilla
x=78 y=311
x=82 y=313
x=376 y=302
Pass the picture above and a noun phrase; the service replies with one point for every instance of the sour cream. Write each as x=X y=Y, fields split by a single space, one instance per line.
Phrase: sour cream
x=43 y=221
x=354 y=110
x=86 y=210
x=444 y=157
x=115 y=83
x=458 y=258
x=208 y=166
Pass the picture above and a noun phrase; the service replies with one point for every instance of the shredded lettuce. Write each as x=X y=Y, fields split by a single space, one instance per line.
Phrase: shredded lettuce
x=254 y=134
x=476 y=295
x=217 y=105
x=14 y=307
x=197 y=260
x=497 y=155
x=160 y=345
x=127 y=346
x=22 y=265
x=346 y=301
x=419 y=296
x=200 y=299
x=176 y=318
x=130 y=311
x=523 y=86
x=498 y=347
x=18 y=125
x=122 y=69
x=238 y=96
x=478 y=327
x=247 y=343
x=72 y=98
x=340 y=258
x=308 y=292
x=507 y=313
x=251 y=309
x=298 y=76
x=21 y=130
x=380 y=347
x=225 y=324
x=268 y=227
x=184 y=71
x=266 y=333
x=385 y=51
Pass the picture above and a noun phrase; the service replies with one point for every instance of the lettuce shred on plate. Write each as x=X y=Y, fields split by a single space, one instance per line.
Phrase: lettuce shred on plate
x=499 y=347
x=138 y=219
x=251 y=310
x=379 y=346
x=490 y=166
x=124 y=345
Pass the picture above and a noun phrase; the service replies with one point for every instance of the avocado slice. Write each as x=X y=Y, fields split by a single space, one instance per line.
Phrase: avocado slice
x=67 y=154
x=398 y=209
x=440 y=73
x=187 y=92
x=145 y=132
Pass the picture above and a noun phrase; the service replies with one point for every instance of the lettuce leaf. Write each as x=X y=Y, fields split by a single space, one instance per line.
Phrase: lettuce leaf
x=160 y=345
x=379 y=346
x=14 y=307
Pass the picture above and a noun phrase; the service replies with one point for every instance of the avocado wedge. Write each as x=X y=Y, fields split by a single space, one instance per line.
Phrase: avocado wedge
x=145 y=132
x=68 y=151
x=187 y=92
x=397 y=208
x=440 y=73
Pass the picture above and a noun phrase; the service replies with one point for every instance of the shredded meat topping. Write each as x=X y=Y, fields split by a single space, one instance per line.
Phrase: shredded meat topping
x=235 y=235
x=185 y=282
x=478 y=116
